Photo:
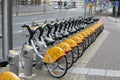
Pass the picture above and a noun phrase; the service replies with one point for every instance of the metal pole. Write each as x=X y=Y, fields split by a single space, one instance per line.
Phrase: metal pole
x=116 y=11
x=6 y=27
x=85 y=7
x=100 y=5
x=90 y=11
x=95 y=6
x=17 y=3
x=60 y=5
x=44 y=6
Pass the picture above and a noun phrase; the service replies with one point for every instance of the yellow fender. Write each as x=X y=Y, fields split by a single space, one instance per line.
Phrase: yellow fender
x=8 y=76
x=87 y=32
x=100 y=23
x=80 y=36
x=92 y=29
x=71 y=42
x=97 y=25
x=84 y=34
x=77 y=39
x=66 y=47
x=53 y=54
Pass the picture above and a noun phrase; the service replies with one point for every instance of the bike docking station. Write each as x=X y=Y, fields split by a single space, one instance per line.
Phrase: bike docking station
x=28 y=60
x=57 y=47
x=13 y=59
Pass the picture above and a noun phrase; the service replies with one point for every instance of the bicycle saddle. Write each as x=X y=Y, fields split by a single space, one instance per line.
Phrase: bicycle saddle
x=89 y=22
x=95 y=19
x=3 y=63
x=57 y=36
x=72 y=30
x=65 y=34
x=48 y=40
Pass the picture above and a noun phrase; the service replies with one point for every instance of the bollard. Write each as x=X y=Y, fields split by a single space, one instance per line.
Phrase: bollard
x=28 y=60
x=13 y=59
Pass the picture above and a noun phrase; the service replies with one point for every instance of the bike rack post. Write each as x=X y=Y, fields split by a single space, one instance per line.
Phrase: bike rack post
x=38 y=59
x=28 y=60
x=13 y=59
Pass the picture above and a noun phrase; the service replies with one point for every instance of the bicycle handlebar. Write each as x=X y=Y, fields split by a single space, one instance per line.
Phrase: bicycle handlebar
x=25 y=25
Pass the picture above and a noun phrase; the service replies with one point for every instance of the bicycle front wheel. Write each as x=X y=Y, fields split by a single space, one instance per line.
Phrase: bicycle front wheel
x=59 y=68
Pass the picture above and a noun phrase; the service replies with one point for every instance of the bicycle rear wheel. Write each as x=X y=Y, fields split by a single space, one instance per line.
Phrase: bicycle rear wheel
x=59 y=68
x=86 y=43
x=70 y=59
x=81 y=49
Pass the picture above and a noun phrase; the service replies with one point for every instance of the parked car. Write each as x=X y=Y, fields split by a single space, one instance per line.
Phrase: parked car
x=55 y=6
x=67 y=6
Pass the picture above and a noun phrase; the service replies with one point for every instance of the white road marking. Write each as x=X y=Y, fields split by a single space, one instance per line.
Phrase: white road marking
x=96 y=72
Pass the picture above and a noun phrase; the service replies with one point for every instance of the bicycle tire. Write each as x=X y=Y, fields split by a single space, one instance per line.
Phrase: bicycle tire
x=76 y=53
x=86 y=43
x=70 y=59
x=81 y=49
x=84 y=47
x=56 y=65
x=90 y=40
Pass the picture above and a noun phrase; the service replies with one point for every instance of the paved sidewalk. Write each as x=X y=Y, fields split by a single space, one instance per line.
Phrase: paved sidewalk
x=100 y=61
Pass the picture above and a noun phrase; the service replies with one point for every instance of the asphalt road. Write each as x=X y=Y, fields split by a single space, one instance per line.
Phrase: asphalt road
x=18 y=38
